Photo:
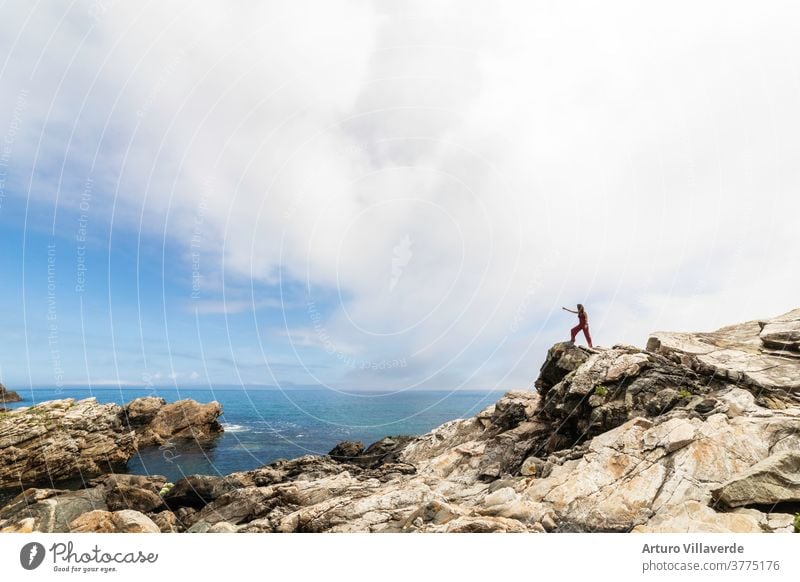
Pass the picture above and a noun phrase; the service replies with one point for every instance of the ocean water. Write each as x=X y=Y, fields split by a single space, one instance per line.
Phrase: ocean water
x=264 y=425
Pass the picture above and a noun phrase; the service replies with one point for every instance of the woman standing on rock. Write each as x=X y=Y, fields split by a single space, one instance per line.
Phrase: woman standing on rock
x=583 y=324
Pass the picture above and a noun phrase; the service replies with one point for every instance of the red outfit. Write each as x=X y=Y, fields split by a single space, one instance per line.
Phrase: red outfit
x=583 y=325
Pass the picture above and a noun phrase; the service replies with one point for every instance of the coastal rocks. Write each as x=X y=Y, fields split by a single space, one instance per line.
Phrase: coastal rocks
x=166 y=521
x=762 y=355
x=184 y=419
x=127 y=497
x=346 y=450
x=782 y=333
x=140 y=412
x=611 y=387
x=562 y=358
x=645 y=467
x=8 y=395
x=125 y=521
x=62 y=439
x=387 y=450
x=773 y=480
x=690 y=435
x=197 y=490
x=49 y=510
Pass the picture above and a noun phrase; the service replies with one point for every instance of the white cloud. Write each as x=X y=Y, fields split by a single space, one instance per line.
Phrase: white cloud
x=639 y=159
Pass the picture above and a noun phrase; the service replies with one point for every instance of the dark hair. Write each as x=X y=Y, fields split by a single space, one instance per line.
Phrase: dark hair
x=580 y=306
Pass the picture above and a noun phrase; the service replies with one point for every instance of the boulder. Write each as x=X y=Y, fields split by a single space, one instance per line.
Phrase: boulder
x=122 y=497
x=184 y=419
x=196 y=491
x=125 y=521
x=611 y=387
x=758 y=354
x=386 y=450
x=8 y=395
x=346 y=450
x=773 y=480
x=561 y=359
x=781 y=334
x=166 y=521
x=140 y=412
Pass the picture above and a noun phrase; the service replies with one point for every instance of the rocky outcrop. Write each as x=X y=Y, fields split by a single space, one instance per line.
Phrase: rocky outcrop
x=62 y=439
x=613 y=386
x=760 y=354
x=8 y=395
x=771 y=481
x=156 y=421
x=675 y=437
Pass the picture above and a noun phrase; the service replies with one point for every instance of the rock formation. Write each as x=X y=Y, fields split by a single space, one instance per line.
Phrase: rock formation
x=696 y=433
x=63 y=439
x=8 y=395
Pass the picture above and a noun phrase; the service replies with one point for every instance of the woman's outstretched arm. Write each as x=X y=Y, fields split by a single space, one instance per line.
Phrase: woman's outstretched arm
x=570 y=310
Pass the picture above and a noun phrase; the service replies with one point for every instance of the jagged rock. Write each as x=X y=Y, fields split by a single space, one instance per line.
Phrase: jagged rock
x=532 y=467
x=562 y=358
x=773 y=480
x=782 y=333
x=613 y=386
x=166 y=521
x=781 y=522
x=49 y=510
x=185 y=517
x=386 y=450
x=122 y=497
x=238 y=506
x=184 y=419
x=197 y=491
x=125 y=521
x=737 y=353
x=152 y=483
x=62 y=439
x=346 y=450
x=141 y=411
x=705 y=406
x=8 y=395
x=619 y=439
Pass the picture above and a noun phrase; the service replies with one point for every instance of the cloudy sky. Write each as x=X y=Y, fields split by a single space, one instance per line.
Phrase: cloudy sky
x=385 y=195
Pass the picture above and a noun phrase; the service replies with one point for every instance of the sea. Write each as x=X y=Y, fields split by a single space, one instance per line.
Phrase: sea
x=263 y=425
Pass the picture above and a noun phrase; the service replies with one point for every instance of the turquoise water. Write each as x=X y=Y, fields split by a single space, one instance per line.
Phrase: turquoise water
x=264 y=425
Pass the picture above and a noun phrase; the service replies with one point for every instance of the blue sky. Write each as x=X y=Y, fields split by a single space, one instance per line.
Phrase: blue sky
x=385 y=196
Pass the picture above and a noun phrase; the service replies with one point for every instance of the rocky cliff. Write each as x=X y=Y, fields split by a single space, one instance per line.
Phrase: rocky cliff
x=64 y=439
x=695 y=433
x=8 y=395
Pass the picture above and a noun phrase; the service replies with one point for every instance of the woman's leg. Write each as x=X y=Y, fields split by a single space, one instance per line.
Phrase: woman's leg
x=574 y=331
x=588 y=337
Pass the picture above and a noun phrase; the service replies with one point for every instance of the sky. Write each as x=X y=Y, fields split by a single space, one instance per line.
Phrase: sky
x=384 y=195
